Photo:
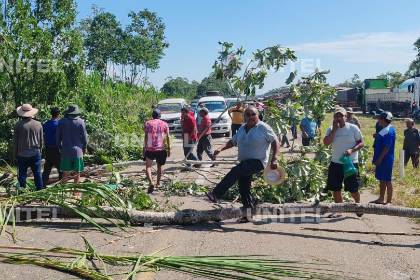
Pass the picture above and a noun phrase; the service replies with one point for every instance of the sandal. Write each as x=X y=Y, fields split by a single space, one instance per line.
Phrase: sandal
x=334 y=215
x=376 y=202
x=150 y=189
x=243 y=220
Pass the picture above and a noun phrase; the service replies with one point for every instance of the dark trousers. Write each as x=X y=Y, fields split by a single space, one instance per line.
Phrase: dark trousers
x=235 y=128
x=242 y=173
x=35 y=164
x=294 y=131
x=414 y=158
x=189 y=150
x=204 y=145
x=307 y=141
x=284 y=140
x=52 y=159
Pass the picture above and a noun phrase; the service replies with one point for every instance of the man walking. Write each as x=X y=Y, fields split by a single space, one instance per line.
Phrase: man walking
x=204 y=135
x=28 y=142
x=52 y=151
x=237 y=115
x=308 y=127
x=72 y=138
x=253 y=141
x=189 y=131
x=411 y=144
x=345 y=140
x=351 y=118
x=156 y=132
x=383 y=157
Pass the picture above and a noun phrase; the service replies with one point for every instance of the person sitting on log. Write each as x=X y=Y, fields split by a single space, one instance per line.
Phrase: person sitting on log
x=253 y=140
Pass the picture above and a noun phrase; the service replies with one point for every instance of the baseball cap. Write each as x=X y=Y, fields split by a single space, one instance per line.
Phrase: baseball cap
x=340 y=110
x=386 y=116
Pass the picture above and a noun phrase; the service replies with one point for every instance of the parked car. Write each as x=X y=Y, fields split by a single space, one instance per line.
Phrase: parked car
x=171 y=113
x=221 y=122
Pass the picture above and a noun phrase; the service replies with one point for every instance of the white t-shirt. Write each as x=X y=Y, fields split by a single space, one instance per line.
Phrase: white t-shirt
x=345 y=138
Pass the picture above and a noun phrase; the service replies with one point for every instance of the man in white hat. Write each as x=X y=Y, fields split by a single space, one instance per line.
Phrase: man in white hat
x=345 y=140
x=28 y=142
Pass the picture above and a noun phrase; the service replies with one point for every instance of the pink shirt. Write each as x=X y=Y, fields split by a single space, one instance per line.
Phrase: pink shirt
x=156 y=130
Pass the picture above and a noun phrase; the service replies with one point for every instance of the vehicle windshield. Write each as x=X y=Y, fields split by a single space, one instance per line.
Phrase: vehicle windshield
x=215 y=106
x=169 y=107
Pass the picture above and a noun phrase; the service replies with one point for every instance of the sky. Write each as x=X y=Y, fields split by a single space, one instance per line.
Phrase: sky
x=366 y=37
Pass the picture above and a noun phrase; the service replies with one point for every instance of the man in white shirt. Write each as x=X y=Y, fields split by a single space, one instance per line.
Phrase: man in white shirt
x=345 y=139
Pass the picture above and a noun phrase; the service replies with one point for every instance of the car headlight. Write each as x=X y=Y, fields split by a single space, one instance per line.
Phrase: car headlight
x=223 y=120
x=177 y=122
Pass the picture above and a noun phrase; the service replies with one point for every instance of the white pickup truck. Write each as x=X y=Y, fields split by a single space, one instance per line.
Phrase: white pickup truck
x=170 y=110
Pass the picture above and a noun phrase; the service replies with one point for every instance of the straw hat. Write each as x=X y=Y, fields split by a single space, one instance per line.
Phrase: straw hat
x=274 y=176
x=26 y=111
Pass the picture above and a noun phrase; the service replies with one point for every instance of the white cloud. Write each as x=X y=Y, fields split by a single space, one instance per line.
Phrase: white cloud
x=378 y=47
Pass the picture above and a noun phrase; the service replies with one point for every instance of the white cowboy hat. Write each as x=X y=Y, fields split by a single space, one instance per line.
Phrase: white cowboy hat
x=274 y=176
x=26 y=111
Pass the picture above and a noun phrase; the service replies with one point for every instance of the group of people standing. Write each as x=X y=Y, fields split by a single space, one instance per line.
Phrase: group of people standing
x=63 y=140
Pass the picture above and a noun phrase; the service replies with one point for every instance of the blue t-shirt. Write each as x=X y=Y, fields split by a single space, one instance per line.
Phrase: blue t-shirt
x=309 y=126
x=50 y=129
x=385 y=138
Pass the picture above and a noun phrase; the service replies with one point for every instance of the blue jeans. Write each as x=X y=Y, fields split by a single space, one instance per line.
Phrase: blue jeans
x=243 y=174
x=35 y=164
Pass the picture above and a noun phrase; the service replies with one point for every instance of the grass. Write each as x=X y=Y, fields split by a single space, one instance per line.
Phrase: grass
x=407 y=189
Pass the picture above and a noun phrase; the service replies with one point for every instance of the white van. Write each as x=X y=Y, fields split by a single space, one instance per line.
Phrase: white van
x=170 y=110
x=221 y=122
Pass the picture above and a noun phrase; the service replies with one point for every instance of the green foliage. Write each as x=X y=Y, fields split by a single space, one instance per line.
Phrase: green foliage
x=246 y=80
x=354 y=82
x=394 y=78
x=179 y=87
x=414 y=68
x=213 y=83
x=183 y=189
x=42 y=51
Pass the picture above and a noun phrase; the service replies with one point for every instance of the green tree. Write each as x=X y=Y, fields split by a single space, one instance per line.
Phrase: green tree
x=102 y=34
x=414 y=68
x=394 y=78
x=147 y=42
x=213 y=83
x=229 y=66
x=40 y=50
x=179 y=87
x=354 y=82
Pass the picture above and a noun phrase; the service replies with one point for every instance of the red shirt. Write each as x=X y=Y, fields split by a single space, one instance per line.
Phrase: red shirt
x=189 y=126
x=205 y=122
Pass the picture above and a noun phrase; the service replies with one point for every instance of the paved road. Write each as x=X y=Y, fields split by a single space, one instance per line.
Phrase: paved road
x=369 y=256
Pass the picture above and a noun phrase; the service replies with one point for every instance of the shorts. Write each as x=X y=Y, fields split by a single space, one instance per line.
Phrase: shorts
x=72 y=164
x=336 y=178
x=383 y=172
x=159 y=156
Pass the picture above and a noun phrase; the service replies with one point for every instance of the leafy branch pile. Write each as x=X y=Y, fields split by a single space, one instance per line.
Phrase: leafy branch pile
x=90 y=264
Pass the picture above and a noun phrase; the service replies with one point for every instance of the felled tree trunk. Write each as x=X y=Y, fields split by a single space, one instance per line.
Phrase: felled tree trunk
x=191 y=216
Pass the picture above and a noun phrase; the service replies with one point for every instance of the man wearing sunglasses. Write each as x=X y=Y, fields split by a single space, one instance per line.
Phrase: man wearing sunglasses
x=253 y=140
